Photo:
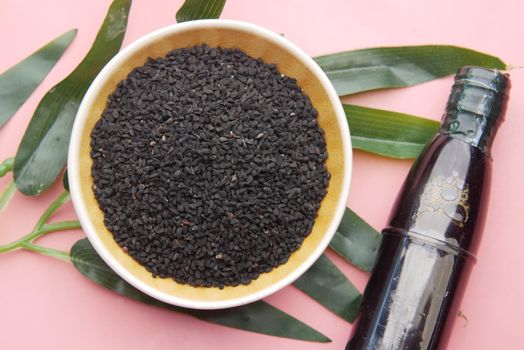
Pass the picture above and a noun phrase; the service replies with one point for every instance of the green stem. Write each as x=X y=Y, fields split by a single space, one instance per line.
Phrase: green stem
x=6 y=166
x=64 y=197
x=56 y=226
x=55 y=253
x=6 y=196
x=41 y=228
x=30 y=237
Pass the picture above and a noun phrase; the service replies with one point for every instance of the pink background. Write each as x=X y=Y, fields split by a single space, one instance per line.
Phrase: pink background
x=46 y=304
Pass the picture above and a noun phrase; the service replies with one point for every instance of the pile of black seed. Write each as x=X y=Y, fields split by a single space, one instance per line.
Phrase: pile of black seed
x=209 y=166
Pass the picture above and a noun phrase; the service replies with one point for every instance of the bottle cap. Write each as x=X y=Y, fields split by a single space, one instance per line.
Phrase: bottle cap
x=476 y=106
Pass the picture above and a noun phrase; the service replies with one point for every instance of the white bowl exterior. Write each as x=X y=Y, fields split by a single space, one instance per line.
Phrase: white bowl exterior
x=82 y=114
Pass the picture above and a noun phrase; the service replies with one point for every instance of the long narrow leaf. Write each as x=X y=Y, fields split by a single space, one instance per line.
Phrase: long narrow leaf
x=356 y=241
x=65 y=181
x=258 y=317
x=19 y=82
x=390 y=67
x=261 y=317
x=325 y=283
x=42 y=154
x=200 y=9
x=388 y=133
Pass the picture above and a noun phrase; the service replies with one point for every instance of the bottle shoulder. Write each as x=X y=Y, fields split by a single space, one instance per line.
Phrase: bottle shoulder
x=445 y=193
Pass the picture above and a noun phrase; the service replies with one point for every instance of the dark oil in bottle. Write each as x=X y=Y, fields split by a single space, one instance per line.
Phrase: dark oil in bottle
x=429 y=246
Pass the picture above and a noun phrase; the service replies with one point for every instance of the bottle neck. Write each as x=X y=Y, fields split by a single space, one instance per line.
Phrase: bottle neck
x=476 y=106
x=469 y=128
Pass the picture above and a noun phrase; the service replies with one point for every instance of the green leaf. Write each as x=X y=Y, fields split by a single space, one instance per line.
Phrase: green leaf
x=261 y=317
x=389 y=134
x=43 y=151
x=258 y=317
x=65 y=181
x=199 y=9
x=19 y=82
x=325 y=283
x=356 y=241
x=390 y=67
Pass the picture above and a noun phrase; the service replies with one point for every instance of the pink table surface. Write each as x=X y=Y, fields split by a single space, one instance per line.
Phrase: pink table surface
x=45 y=303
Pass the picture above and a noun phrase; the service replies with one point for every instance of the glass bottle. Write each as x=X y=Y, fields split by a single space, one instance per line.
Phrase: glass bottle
x=429 y=246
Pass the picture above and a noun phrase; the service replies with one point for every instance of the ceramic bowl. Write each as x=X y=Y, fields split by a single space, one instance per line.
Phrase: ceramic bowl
x=257 y=42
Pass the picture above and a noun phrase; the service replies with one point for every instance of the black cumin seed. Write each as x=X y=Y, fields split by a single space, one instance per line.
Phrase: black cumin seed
x=209 y=166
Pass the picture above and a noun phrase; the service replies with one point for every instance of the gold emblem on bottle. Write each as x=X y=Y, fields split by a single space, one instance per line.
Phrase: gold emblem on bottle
x=446 y=196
